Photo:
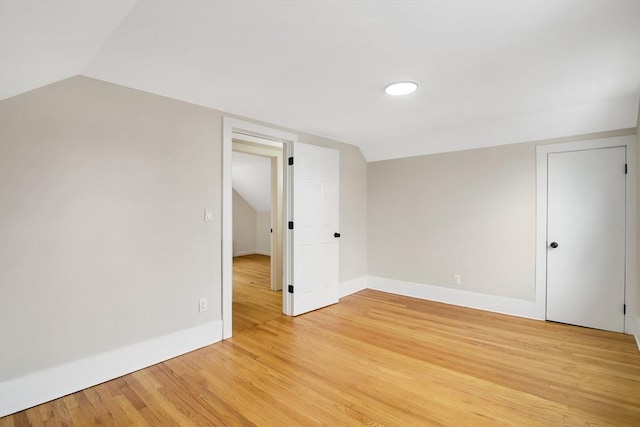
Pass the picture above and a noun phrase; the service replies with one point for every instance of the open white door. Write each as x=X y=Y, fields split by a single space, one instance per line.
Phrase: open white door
x=316 y=179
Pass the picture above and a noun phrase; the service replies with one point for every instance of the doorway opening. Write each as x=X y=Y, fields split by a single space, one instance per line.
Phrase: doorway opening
x=261 y=137
x=308 y=226
x=257 y=232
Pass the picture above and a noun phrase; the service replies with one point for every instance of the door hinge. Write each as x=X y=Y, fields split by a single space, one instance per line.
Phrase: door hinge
x=290 y=288
x=624 y=308
x=290 y=225
x=626 y=168
x=290 y=161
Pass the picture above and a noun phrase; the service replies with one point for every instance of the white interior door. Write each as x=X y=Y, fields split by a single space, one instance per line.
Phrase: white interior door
x=586 y=238
x=316 y=179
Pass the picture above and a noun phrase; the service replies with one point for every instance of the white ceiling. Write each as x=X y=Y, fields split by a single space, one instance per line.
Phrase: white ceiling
x=251 y=177
x=490 y=72
x=42 y=42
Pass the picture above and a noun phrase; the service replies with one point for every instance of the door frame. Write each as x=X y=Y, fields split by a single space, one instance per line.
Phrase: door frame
x=288 y=140
x=542 y=154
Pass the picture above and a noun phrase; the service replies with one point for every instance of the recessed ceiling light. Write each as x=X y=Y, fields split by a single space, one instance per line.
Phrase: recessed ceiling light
x=401 y=88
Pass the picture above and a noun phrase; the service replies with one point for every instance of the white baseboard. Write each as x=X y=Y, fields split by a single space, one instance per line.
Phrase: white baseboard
x=253 y=252
x=496 y=304
x=243 y=253
x=33 y=389
x=352 y=286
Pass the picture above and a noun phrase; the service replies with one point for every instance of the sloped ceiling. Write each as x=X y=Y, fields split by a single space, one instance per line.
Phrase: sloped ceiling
x=251 y=177
x=42 y=42
x=490 y=72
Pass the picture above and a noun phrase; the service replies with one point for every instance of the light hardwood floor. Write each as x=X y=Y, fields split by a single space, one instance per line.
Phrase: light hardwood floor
x=253 y=300
x=375 y=359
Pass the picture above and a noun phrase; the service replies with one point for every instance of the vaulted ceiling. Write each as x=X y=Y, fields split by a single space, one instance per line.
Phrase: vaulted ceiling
x=490 y=72
x=251 y=177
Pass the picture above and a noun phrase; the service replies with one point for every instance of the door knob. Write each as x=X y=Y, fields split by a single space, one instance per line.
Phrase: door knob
x=554 y=245
x=336 y=235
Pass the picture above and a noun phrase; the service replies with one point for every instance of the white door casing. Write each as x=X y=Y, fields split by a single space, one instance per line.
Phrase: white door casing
x=316 y=176
x=631 y=324
x=586 y=238
x=229 y=126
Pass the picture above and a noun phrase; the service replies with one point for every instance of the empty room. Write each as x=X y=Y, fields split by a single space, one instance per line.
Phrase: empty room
x=297 y=213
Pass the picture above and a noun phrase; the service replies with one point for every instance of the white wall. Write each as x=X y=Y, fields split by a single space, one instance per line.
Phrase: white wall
x=251 y=176
x=244 y=226
x=251 y=229
x=263 y=233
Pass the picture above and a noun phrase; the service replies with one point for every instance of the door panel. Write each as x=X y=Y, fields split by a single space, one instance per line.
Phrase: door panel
x=586 y=219
x=315 y=212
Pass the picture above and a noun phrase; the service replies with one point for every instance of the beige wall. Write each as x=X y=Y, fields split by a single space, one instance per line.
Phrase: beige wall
x=102 y=237
x=263 y=232
x=244 y=226
x=469 y=212
x=103 y=241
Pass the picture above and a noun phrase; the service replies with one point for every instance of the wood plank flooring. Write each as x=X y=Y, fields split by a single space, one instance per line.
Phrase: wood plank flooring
x=253 y=300
x=376 y=359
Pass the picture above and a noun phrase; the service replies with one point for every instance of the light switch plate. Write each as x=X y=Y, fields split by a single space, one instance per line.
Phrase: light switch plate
x=208 y=215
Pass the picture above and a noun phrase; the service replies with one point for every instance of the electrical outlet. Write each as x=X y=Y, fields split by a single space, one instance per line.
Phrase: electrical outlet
x=203 y=305
x=456 y=279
